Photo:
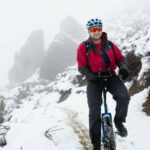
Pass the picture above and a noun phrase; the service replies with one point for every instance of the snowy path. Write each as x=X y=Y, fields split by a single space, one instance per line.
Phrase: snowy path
x=79 y=129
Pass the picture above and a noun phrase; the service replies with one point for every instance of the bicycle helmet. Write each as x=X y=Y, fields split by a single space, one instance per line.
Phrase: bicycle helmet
x=93 y=23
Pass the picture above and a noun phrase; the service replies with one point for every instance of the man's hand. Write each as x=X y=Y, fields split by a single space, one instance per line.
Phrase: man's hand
x=92 y=77
x=88 y=73
x=124 y=73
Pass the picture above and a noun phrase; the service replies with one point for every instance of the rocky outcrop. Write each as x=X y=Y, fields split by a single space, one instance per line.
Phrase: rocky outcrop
x=60 y=55
x=64 y=95
x=71 y=27
x=2 y=108
x=135 y=67
x=28 y=59
x=62 y=50
x=146 y=105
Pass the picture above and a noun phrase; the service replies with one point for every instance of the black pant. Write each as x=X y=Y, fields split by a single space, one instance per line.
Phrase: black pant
x=94 y=95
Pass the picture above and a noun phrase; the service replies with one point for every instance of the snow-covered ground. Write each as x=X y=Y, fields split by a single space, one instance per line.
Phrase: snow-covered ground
x=42 y=123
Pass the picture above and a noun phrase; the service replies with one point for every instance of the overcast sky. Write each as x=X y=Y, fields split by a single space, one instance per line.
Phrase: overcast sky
x=18 y=18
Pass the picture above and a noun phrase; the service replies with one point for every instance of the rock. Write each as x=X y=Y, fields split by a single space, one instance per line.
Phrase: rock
x=28 y=59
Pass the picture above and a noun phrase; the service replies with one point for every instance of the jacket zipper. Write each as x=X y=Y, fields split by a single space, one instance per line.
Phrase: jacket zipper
x=100 y=57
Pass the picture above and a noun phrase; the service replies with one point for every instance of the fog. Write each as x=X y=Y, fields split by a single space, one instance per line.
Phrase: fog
x=18 y=18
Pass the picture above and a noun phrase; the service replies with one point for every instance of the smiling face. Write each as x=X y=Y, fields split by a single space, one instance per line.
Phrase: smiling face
x=95 y=33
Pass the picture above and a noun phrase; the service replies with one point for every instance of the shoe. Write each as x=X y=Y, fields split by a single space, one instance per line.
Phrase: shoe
x=122 y=131
x=96 y=146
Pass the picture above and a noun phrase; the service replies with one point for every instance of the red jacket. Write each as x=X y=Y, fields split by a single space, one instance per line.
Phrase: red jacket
x=94 y=60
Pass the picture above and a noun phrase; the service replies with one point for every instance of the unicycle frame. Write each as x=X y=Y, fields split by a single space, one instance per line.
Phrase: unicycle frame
x=106 y=116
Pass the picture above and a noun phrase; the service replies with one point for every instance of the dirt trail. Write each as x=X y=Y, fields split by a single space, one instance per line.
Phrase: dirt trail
x=81 y=131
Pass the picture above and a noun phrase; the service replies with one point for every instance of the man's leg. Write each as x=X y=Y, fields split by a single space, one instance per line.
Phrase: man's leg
x=94 y=96
x=120 y=93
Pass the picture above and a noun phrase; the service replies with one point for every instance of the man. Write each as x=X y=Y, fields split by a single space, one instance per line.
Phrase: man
x=98 y=57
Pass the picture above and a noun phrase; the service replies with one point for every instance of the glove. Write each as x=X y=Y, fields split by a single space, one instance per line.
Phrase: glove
x=123 y=73
x=92 y=77
x=88 y=73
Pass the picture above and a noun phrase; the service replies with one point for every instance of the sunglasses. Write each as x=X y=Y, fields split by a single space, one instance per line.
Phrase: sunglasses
x=94 y=29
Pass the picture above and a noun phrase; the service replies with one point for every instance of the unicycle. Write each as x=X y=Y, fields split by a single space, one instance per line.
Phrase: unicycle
x=108 y=135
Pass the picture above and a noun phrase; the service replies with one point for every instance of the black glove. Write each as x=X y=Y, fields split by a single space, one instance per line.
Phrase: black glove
x=92 y=77
x=124 y=73
x=88 y=73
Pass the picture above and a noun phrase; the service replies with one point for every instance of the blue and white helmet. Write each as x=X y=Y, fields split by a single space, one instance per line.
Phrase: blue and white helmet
x=93 y=23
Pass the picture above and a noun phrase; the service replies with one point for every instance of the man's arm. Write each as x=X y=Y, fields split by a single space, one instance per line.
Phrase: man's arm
x=82 y=61
x=121 y=62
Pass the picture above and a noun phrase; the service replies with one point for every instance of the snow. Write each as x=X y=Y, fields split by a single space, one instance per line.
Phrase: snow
x=145 y=66
x=30 y=122
x=34 y=76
